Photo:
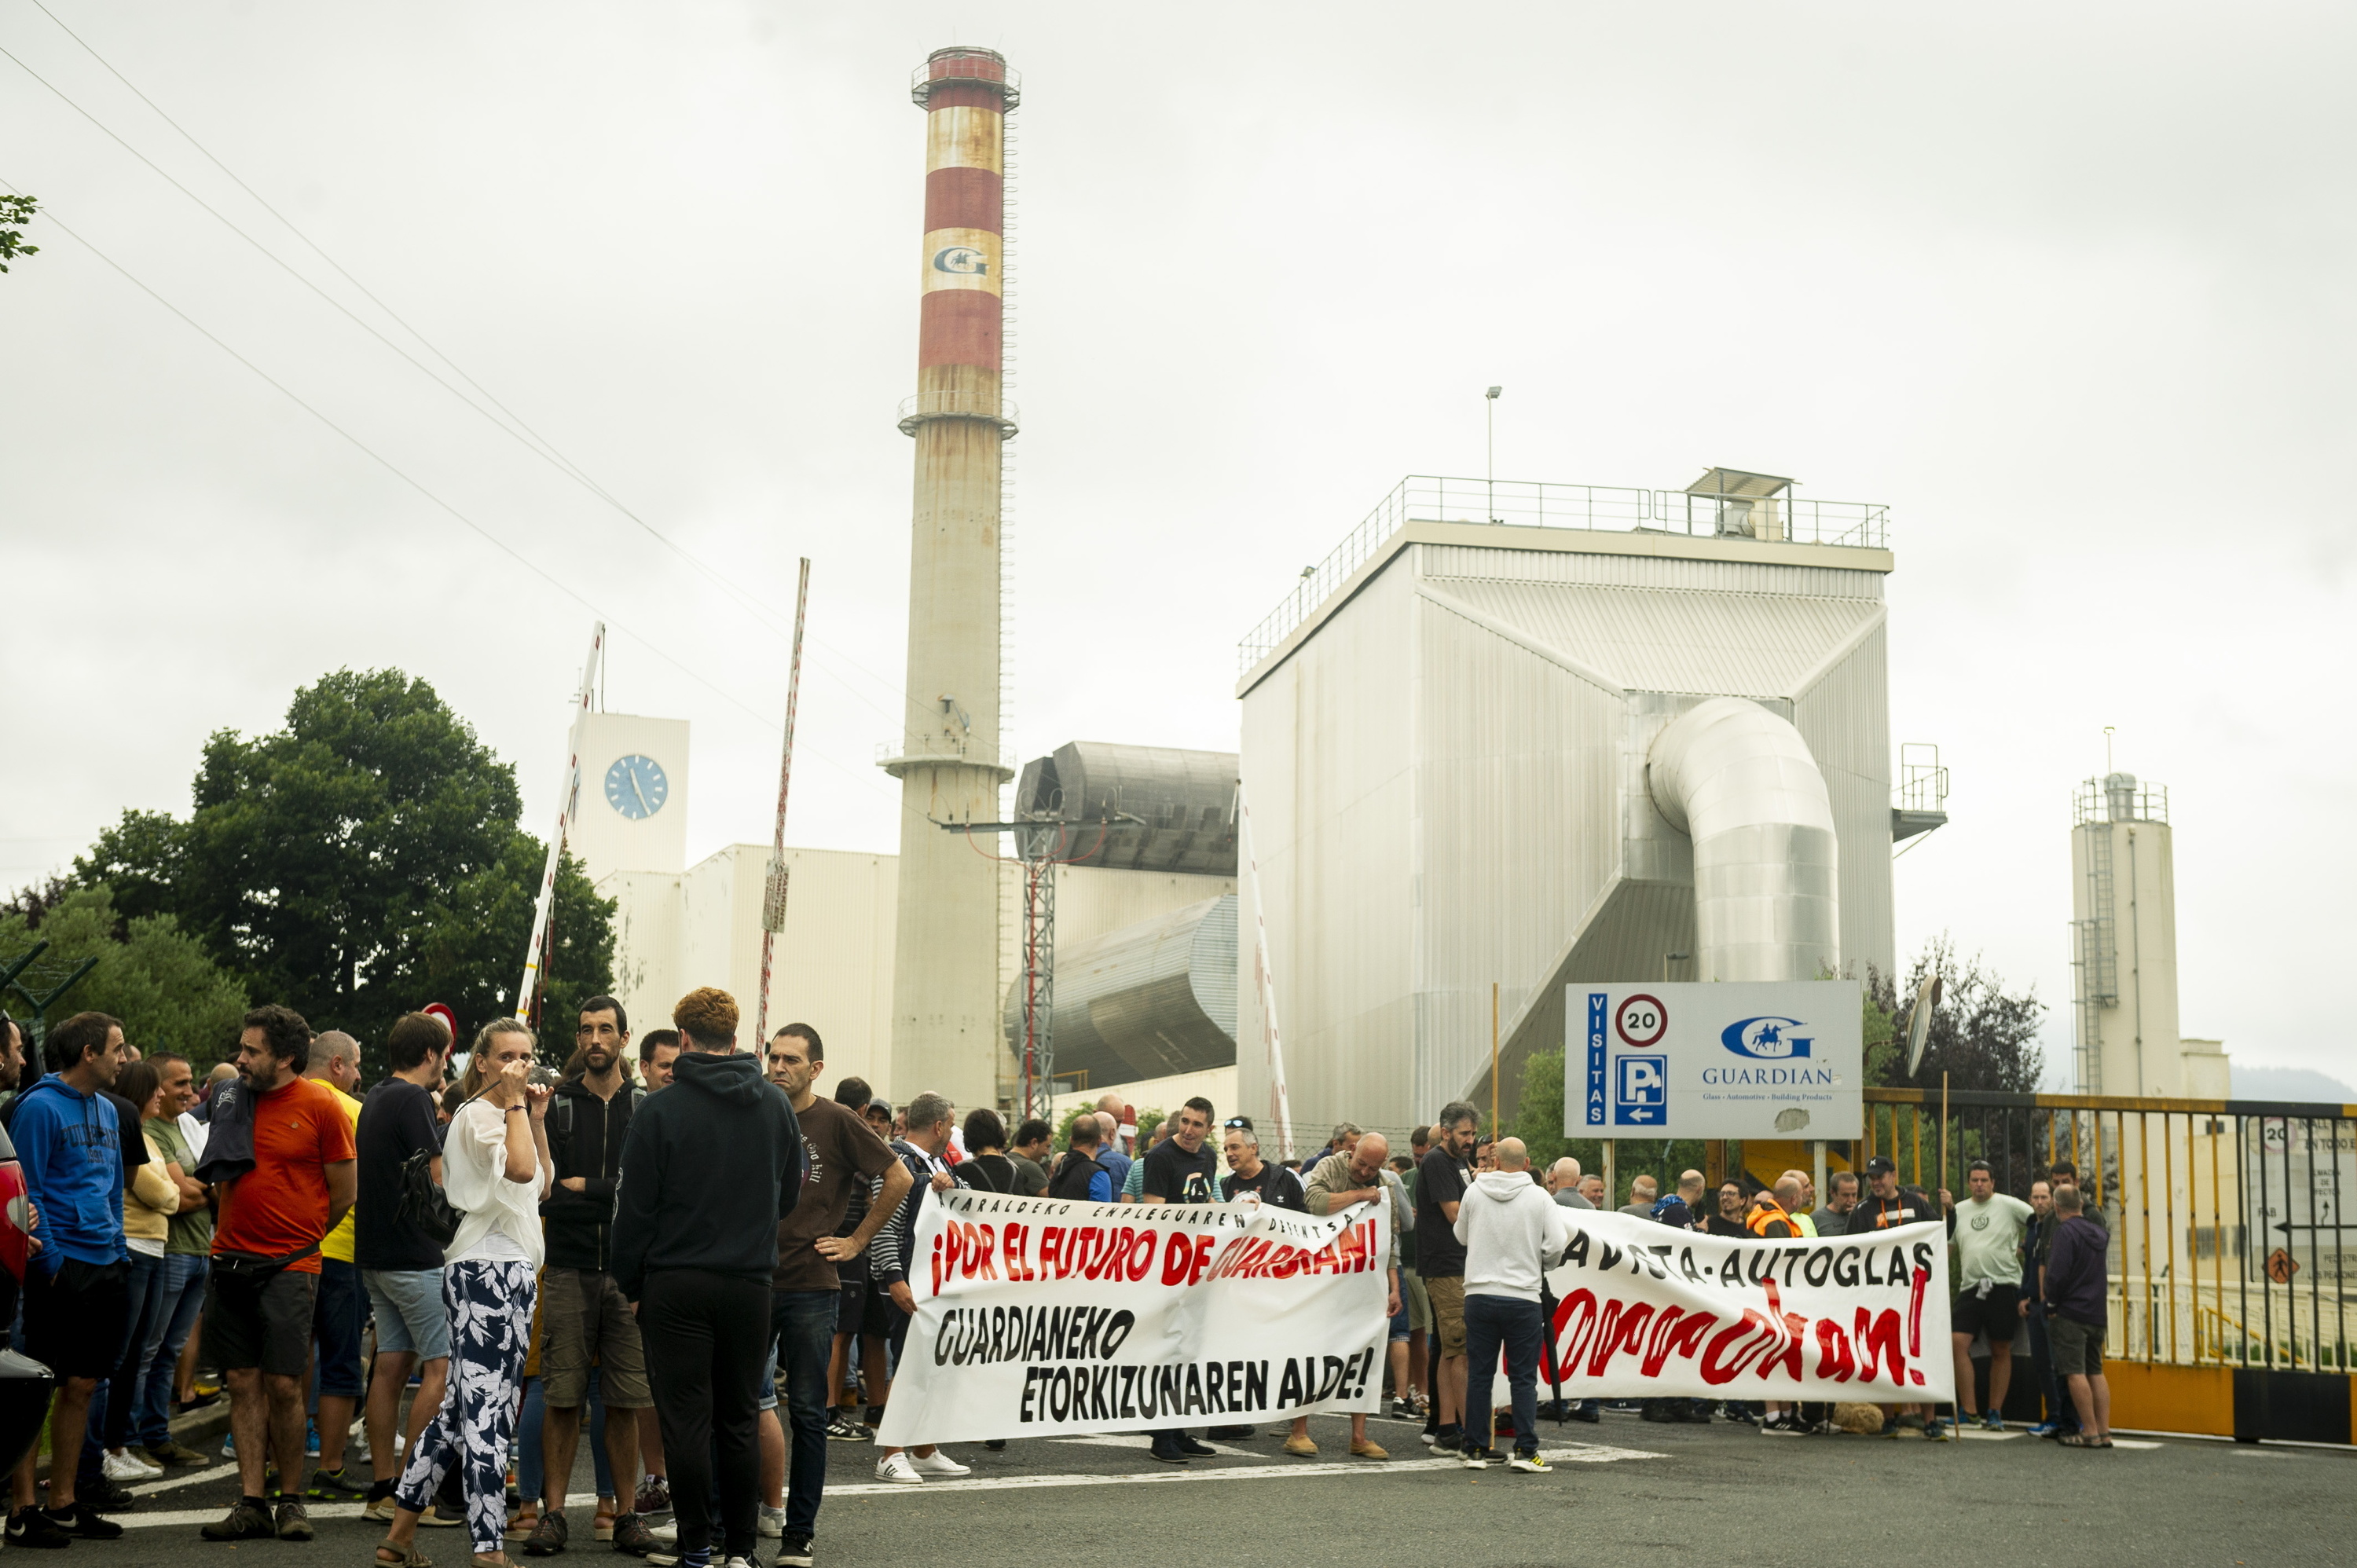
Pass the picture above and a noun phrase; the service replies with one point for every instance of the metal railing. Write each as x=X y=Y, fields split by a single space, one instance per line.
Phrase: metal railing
x=1530 y=503
x=2233 y=1236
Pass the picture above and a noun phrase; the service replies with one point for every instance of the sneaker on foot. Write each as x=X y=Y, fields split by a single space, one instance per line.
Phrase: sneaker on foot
x=1194 y=1450
x=794 y=1552
x=654 y=1496
x=436 y=1518
x=380 y=1509
x=1529 y=1464
x=311 y=1440
x=772 y=1522
x=84 y=1520
x=168 y=1453
x=842 y=1427
x=1474 y=1458
x=548 y=1537
x=631 y=1536
x=124 y=1465
x=937 y=1464
x=336 y=1485
x=249 y=1520
x=294 y=1524
x=1993 y=1423
x=37 y=1528
x=896 y=1468
x=1167 y=1451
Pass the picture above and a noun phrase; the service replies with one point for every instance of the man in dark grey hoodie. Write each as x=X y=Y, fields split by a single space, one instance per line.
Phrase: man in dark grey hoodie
x=709 y=1170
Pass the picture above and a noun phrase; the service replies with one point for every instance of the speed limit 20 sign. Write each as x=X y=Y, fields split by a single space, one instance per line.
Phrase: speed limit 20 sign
x=1719 y=1060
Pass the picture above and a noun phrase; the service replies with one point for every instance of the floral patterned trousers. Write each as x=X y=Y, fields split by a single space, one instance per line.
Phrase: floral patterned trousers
x=490 y=1327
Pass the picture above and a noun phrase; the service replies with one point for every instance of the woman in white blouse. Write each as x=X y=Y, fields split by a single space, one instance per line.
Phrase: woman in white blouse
x=495 y=1169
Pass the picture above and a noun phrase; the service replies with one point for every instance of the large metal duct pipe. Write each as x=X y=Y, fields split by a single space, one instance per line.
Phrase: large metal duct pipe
x=1742 y=785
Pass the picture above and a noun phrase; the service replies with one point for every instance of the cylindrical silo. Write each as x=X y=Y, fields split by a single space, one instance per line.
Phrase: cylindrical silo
x=945 y=987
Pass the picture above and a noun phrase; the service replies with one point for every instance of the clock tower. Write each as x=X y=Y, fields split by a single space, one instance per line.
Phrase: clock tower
x=633 y=813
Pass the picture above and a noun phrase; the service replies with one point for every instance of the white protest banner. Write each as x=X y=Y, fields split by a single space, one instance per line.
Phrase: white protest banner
x=1036 y=1316
x=1644 y=1311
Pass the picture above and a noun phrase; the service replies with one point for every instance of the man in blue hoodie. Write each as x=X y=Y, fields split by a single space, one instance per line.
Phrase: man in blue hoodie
x=77 y=1290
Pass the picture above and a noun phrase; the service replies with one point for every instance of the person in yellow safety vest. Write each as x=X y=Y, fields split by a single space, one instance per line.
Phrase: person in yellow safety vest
x=1770 y=1219
x=1796 y=1209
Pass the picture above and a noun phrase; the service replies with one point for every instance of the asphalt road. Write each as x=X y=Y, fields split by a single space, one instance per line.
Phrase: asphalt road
x=1623 y=1493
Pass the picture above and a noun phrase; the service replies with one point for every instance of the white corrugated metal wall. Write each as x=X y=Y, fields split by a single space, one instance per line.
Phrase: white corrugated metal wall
x=1446 y=777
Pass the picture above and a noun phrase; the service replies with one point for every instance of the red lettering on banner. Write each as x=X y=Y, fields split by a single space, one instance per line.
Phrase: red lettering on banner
x=1795 y=1330
x=937 y=1266
x=1714 y=1370
x=1051 y=1252
x=1915 y=1317
x=1202 y=1257
x=1624 y=1330
x=1878 y=1346
x=1835 y=1359
x=989 y=1253
x=1675 y=1334
x=1178 y=1257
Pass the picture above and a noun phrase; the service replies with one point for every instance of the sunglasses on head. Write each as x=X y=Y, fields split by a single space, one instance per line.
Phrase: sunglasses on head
x=1237 y=1122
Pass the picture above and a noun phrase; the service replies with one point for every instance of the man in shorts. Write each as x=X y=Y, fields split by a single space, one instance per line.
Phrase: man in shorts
x=265 y=1270
x=1440 y=1185
x=68 y=1139
x=341 y=1315
x=583 y=1316
x=400 y=1265
x=1987 y=1226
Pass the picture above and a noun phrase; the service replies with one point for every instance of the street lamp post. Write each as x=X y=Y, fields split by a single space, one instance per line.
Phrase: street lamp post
x=1490 y=408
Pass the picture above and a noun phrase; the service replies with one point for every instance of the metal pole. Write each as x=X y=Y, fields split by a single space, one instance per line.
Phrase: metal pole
x=773 y=887
x=568 y=800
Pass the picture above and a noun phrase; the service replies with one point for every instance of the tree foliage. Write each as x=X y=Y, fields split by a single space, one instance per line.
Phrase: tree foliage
x=357 y=863
x=152 y=975
x=16 y=211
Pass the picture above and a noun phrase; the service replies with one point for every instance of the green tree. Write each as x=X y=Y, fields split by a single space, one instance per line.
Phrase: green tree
x=151 y=974
x=1982 y=1037
x=16 y=211
x=362 y=862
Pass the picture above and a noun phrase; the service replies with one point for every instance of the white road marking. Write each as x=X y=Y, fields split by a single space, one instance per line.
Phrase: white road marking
x=190 y=1517
x=1982 y=1435
x=1142 y=1441
x=184 y=1478
x=1584 y=1455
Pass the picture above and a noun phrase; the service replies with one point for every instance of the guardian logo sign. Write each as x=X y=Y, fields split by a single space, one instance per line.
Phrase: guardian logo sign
x=1719 y=1060
x=1766 y=1039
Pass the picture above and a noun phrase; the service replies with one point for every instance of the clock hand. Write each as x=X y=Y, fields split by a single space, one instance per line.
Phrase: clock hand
x=642 y=794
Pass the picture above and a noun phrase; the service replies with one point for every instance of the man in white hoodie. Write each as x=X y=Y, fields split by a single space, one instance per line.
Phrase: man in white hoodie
x=1511 y=1230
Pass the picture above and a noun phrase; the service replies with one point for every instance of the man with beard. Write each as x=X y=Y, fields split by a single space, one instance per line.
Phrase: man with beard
x=585 y=1318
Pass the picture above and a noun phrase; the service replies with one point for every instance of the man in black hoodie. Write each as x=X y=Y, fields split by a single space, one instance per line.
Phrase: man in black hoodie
x=583 y=1319
x=708 y=1169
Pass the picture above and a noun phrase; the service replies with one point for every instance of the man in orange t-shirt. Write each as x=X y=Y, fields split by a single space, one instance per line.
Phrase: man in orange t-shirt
x=265 y=1271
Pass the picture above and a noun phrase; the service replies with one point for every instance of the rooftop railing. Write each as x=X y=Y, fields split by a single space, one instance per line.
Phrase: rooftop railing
x=1530 y=503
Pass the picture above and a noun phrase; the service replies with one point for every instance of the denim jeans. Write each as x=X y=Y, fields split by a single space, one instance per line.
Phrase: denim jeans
x=184 y=1297
x=531 y=1460
x=111 y=1403
x=804 y=1324
x=1492 y=1322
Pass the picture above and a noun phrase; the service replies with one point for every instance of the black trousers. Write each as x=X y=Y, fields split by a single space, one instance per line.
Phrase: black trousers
x=706 y=1335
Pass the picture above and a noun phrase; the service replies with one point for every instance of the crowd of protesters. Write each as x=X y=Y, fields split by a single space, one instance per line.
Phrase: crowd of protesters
x=534 y=1254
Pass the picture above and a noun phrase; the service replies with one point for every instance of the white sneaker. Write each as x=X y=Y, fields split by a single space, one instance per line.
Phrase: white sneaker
x=122 y=1465
x=773 y=1523
x=939 y=1464
x=896 y=1468
x=664 y=1534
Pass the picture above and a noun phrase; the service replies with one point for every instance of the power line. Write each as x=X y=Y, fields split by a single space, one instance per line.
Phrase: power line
x=520 y=432
x=405 y=477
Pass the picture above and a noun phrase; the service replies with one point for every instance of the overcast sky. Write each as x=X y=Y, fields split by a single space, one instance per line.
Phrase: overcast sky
x=2066 y=287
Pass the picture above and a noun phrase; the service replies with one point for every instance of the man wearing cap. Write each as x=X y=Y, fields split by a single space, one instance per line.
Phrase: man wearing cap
x=1885 y=1206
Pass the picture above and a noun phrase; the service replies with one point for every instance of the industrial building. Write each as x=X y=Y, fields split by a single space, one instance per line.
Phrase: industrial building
x=1524 y=734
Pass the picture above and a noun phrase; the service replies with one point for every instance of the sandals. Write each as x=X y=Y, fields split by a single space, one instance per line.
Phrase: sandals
x=2080 y=1440
x=390 y=1553
x=603 y=1525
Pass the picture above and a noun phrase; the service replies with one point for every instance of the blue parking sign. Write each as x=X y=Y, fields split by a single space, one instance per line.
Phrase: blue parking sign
x=1643 y=1086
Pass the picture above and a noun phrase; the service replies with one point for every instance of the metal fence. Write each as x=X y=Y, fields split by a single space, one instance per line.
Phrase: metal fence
x=2233 y=1240
x=1530 y=503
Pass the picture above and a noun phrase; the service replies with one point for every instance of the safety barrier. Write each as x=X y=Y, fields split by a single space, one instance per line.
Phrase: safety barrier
x=2234 y=1227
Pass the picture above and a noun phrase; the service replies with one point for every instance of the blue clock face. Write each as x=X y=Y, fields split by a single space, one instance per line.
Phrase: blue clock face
x=635 y=785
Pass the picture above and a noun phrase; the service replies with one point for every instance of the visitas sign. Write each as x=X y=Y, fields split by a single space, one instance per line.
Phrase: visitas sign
x=1726 y=1059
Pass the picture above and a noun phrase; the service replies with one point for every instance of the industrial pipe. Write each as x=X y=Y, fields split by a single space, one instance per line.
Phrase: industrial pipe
x=1740 y=782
